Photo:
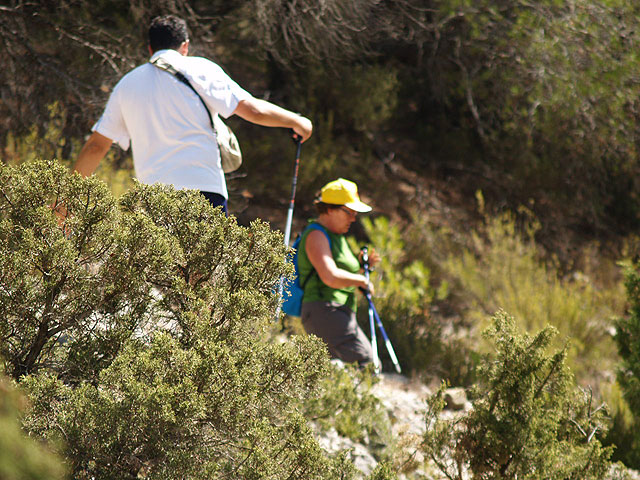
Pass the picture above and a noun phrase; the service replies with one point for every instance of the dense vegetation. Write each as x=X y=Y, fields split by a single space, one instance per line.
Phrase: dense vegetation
x=35 y=462
x=423 y=103
x=144 y=354
x=141 y=351
x=534 y=102
x=528 y=420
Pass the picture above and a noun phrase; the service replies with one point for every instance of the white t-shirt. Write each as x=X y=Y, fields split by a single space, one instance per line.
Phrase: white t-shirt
x=166 y=124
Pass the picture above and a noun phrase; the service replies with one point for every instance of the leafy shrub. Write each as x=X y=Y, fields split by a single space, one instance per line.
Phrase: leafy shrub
x=528 y=421
x=550 y=93
x=21 y=457
x=626 y=434
x=405 y=293
x=347 y=404
x=622 y=431
x=502 y=269
x=167 y=411
x=140 y=329
x=60 y=281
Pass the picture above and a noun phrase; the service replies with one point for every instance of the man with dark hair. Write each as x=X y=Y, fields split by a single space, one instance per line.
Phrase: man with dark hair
x=165 y=122
x=167 y=32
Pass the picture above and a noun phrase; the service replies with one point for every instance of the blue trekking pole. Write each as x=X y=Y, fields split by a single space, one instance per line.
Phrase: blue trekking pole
x=292 y=201
x=372 y=326
x=372 y=308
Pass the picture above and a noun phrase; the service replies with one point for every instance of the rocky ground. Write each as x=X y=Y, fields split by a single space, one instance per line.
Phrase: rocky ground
x=404 y=401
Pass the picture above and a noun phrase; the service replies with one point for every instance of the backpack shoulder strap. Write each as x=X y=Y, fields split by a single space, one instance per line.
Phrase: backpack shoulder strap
x=317 y=226
x=162 y=64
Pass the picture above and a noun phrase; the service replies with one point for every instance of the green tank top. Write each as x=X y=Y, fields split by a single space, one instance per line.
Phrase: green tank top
x=315 y=289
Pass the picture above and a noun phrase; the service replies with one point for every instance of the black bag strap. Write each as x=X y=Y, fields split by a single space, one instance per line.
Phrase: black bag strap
x=166 y=66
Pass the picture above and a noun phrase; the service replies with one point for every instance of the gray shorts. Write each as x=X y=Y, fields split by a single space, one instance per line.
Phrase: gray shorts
x=337 y=326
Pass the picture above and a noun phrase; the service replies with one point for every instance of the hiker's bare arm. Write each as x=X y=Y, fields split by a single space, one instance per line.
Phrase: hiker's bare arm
x=319 y=253
x=92 y=152
x=264 y=113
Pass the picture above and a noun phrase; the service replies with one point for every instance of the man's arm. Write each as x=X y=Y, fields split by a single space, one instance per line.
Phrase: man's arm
x=92 y=152
x=268 y=114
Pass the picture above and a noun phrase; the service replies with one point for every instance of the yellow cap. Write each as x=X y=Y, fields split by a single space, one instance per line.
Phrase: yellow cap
x=343 y=192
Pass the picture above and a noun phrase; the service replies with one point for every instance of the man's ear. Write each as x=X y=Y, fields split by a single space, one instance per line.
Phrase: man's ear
x=184 y=48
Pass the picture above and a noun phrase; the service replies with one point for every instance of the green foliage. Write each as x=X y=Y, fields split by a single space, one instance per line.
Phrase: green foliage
x=544 y=82
x=628 y=338
x=537 y=100
x=528 y=421
x=405 y=293
x=22 y=458
x=402 y=278
x=58 y=279
x=33 y=145
x=213 y=411
x=347 y=404
x=383 y=472
x=358 y=98
x=502 y=269
x=215 y=267
x=622 y=431
x=628 y=335
x=140 y=329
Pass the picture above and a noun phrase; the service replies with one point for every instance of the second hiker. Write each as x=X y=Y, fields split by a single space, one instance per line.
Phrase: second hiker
x=332 y=273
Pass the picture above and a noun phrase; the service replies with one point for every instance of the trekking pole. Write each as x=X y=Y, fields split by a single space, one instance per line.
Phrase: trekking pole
x=387 y=342
x=294 y=184
x=372 y=326
x=287 y=229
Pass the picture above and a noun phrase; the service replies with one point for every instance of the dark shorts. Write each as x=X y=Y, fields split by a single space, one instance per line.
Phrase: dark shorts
x=338 y=327
x=217 y=200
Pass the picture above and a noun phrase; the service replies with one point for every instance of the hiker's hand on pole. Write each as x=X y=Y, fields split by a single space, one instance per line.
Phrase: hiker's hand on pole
x=366 y=286
x=302 y=128
x=373 y=257
x=296 y=138
x=370 y=288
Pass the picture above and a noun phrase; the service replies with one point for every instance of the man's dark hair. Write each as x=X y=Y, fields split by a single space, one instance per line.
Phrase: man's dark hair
x=167 y=31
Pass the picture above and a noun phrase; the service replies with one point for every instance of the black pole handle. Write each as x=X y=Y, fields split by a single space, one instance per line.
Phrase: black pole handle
x=365 y=258
x=296 y=138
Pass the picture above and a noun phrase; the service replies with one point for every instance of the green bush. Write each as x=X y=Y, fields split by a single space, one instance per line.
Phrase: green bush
x=347 y=404
x=404 y=295
x=622 y=431
x=503 y=269
x=165 y=411
x=549 y=91
x=529 y=420
x=141 y=332
x=57 y=282
x=21 y=457
x=625 y=433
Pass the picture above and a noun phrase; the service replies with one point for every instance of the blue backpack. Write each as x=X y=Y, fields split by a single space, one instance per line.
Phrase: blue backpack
x=293 y=291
